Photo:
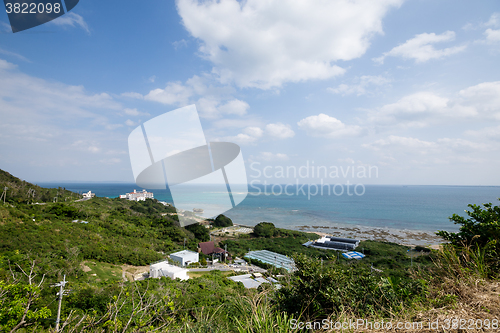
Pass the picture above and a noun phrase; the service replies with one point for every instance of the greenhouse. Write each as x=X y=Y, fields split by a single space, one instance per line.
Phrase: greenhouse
x=272 y=258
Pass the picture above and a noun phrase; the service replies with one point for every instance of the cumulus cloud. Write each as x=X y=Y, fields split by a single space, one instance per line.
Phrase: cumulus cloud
x=421 y=49
x=72 y=20
x=323 y=125
x=421 y=109
x=59 y=125
x=211 y=101
x=268 y=156
x=264 y=43
x=363 y=86
x=134 y=112
x=129 y=122
x=174 y=93
x=490 y=133
x=280 y=131
x=484 y=98
x=492 y=36
x=494 y=20
x=442 y=151
x=252 y=134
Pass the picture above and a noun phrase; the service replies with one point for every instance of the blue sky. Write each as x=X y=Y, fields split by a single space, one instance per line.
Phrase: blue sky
x=409 y=87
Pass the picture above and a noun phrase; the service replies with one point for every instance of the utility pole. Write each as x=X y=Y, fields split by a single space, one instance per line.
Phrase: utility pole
x=61 y=293
x=184 y=243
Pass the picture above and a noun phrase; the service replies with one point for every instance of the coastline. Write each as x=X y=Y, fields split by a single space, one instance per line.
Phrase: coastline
x=403 y=237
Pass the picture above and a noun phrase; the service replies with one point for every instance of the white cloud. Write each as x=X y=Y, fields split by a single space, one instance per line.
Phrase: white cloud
x=174 y=93
x=252 y=134
x=491 y=133
x=180 y=44
x=71 y=19
x=265 y=43
x=58 y=125
x=363 y=86
x=492 y=36
x=421 y=152
x=6 y=27
x=421 y=109
x=129 y=122
x=134 y=112
x=15 y=55
x=280 y=131
x=5 y=65
x=323 y=125
x=484 y=98
x=234 y=106
x=494 y=20
x=132 y=95
x=255 y=132
x=421 y=49
x=405 y=142
x=267 y=156
x=152 y=79
x=212 y=102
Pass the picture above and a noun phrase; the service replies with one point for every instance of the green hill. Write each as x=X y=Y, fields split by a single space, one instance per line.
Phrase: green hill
x=21 y=191
x=110 y=230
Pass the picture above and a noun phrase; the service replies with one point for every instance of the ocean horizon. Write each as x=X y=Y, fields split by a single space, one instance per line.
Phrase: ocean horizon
x=424 y=208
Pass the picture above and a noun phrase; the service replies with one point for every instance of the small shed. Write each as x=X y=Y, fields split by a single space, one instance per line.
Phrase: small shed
x=185 y=257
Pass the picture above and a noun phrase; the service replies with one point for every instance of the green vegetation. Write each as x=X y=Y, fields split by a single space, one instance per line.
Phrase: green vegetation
x=222 y=221
x=265 y=229
x=479 y=235
x=41 y=243
x=19 y=191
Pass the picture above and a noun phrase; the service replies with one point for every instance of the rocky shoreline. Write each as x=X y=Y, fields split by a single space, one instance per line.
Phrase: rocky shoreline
x=403 y=237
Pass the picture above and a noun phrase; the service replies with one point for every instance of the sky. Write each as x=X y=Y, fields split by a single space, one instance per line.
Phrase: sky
x=373 y=91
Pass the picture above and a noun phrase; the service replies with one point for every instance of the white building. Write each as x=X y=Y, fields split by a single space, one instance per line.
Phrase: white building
x=165 y=269
x=88 y=194
x=185 y=257
x=137 y=196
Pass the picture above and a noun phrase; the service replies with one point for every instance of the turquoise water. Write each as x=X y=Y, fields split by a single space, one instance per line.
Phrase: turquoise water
x=424 y=208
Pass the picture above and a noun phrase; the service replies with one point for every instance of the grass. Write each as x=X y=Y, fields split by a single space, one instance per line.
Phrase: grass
x=193 y=275
x=103 y=271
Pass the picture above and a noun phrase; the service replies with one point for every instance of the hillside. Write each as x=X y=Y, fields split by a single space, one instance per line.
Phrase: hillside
x=21 y=191
x=111 y=230
x=41 y=243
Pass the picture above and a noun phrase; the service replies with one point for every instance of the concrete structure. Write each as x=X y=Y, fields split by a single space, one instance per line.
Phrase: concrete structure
x=185 y=257
x=137 y=196
x=163 y=268
x=249 y=282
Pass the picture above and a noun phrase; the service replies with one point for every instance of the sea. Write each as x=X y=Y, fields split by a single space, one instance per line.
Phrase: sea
x=390 y=207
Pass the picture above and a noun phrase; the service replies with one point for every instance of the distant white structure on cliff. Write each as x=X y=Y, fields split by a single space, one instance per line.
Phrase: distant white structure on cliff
x=88 y=195
x=137 y=196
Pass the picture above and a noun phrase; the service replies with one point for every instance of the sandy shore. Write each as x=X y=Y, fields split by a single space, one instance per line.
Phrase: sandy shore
x=403 y=237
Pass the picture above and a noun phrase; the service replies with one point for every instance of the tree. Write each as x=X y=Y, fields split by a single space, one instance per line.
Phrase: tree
x=265 y=229
x=481 y=230
x=199 y=231
x=19 y=300
x=223 y=221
